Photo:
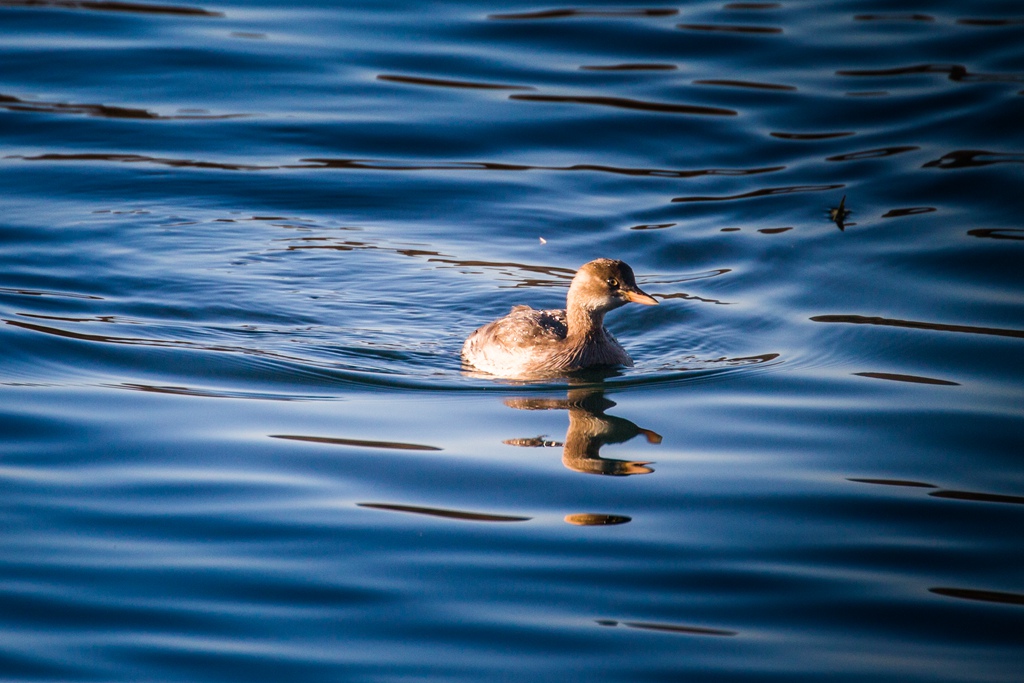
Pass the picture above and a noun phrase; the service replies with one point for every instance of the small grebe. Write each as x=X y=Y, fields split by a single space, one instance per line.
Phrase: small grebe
x=527 y=342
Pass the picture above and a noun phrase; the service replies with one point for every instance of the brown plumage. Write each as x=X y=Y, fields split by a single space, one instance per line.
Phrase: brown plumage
x=531 y=343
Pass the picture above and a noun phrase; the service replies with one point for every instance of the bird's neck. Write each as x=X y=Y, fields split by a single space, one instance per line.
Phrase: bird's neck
x=582 y=322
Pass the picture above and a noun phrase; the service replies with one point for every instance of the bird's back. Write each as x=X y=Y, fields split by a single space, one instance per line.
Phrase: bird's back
x=531 y=342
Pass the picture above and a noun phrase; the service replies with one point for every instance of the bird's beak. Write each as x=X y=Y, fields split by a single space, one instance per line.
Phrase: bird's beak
x=638 y=296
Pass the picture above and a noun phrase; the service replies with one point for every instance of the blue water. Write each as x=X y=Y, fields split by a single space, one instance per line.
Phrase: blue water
x=241 y=245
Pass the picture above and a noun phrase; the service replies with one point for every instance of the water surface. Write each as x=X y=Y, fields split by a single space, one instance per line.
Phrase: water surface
x=242 y=243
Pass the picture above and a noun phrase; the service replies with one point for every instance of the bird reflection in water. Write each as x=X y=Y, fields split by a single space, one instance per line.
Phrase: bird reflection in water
x=589 y=430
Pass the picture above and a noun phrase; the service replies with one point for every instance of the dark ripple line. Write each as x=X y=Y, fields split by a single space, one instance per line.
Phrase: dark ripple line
x=442 y=512
x=977 y=497
x=917 y=325
x=812 y=136
x=669 y=628
x=361 y=443
x=305 y=365
x=914 y=379
x=973 y=158
x=450 y=83
x=951 y=69
x=760 y=193
x=12 y=103
x=731 y=28
x=138 y=158
x=955 y=72
x=626 y=103
x=980 y=595
x=894 y=17
x=554 y=271
x=704 y=275
x=873 y=153
x=909 y=211
x=652 y=226
x=997 y=233
x=91 y=319
x=383 y=165
x=990 y=22
x=693 y=297
x=573 y=12
x=143 y=341
x=113 y=7
x=371 y=164
x=43 y=292
x=948 y=494
x=895 y=482
x=204 y=393
x=631 y=67
x=745 y=84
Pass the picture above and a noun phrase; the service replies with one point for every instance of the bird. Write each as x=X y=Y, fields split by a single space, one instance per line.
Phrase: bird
x=529 y=343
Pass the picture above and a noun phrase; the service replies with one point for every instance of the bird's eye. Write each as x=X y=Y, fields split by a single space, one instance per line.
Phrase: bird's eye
x=612 y=282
